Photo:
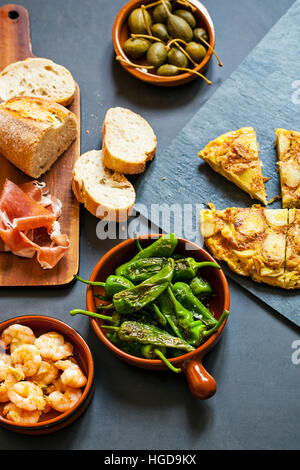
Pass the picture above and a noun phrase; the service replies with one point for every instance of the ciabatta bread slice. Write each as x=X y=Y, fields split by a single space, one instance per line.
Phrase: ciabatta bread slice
x=128 y=141
x=34 y=132
x=37 y=77
x=104 y=193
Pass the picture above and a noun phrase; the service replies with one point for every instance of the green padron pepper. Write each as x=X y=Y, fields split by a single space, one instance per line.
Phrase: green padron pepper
x=112 y=285
x=139 y=270
x=185 y=296
x=201 y=288
x=163 y=247
x=133 y=331
x=136 y=298
x=186 y=268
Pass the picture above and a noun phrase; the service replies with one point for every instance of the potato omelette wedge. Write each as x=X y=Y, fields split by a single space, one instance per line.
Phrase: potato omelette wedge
x=292 y=264
x=260 y=243
x=288 y=149
x=235 y=155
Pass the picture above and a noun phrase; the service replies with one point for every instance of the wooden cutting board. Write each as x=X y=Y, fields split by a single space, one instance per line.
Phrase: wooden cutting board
x=15 y=44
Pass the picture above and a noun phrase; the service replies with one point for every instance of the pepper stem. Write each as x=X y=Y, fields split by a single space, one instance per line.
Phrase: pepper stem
x=110 y=327
x=203 y=264
x=137 y=242
x=105 y=307
x=90 y=314
x=166 y=362
x=92 y=283
x=160 y=316
x=218 y=324
x=102 y=297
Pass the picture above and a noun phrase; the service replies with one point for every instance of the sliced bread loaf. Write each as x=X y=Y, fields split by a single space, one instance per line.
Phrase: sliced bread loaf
x=37 y=77
x=34 y=132
x=104 y=193
x=128 y=141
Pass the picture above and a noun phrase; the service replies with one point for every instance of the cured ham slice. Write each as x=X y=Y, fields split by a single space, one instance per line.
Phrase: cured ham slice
x=28 y=223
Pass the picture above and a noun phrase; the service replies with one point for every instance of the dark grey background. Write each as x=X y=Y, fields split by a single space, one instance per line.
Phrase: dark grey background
x=257 y=402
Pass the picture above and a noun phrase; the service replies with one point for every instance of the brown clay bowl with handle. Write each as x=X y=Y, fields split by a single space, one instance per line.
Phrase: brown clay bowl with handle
x=202 y=385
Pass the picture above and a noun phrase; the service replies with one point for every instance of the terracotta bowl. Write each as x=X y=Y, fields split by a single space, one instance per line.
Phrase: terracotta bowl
x=201 y=383
x=54 y=421
x=121 y=34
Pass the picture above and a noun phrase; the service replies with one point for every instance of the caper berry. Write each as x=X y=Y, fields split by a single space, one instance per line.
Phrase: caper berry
x=176 y=57
x=178 y=28
x=167 y=70
x=159 y=14
x=196 y=51
x=160 y=31
x=200 y=33
x=157 y=54
x=187 y=16
x=136 y=21
x=136 y=47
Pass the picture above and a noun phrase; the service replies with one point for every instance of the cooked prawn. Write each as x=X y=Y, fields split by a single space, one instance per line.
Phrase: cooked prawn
x=28 y=358
x=13 y=376
x=27 y=395
x=72 y=375
x=15 y=335
x=46 y=374
x=64 y=401
x=4 y=364
x=20 y=416
x=52 y=346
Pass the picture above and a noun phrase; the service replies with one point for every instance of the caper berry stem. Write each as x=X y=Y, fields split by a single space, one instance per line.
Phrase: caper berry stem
x=175 y=41
x=197 y=73
x=146 y=36
x=128 y=62
x=165 y=7
x=213 y=51
x=145 y=19
x=150 y=5
x=186 y=4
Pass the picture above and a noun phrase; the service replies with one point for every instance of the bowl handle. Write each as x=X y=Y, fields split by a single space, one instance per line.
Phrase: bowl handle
x=202 y=385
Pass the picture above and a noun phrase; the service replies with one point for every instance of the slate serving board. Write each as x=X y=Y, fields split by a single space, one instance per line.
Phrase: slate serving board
x=261 y=93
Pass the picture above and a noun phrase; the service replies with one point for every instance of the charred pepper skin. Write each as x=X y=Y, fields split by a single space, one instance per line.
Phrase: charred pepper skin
x=139 y=270
x=186 y=268
x=112 y=285
x=136 y=298
x=148 y=334
x=164 y=247
x=184 y=294
x=201 y=288
x=167 y=309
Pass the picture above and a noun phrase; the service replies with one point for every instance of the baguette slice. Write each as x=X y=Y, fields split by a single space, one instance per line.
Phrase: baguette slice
x=37 y=77
x=128 y=141
x=104 y=193
x=34 y=132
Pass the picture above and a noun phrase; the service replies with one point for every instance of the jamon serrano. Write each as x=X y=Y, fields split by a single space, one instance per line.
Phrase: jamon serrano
x=29 y=225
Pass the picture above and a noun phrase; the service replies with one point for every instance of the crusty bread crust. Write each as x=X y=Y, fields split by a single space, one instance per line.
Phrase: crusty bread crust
x=37 y=77
x=136 y=158
x=34 y=132
x=108 y=208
